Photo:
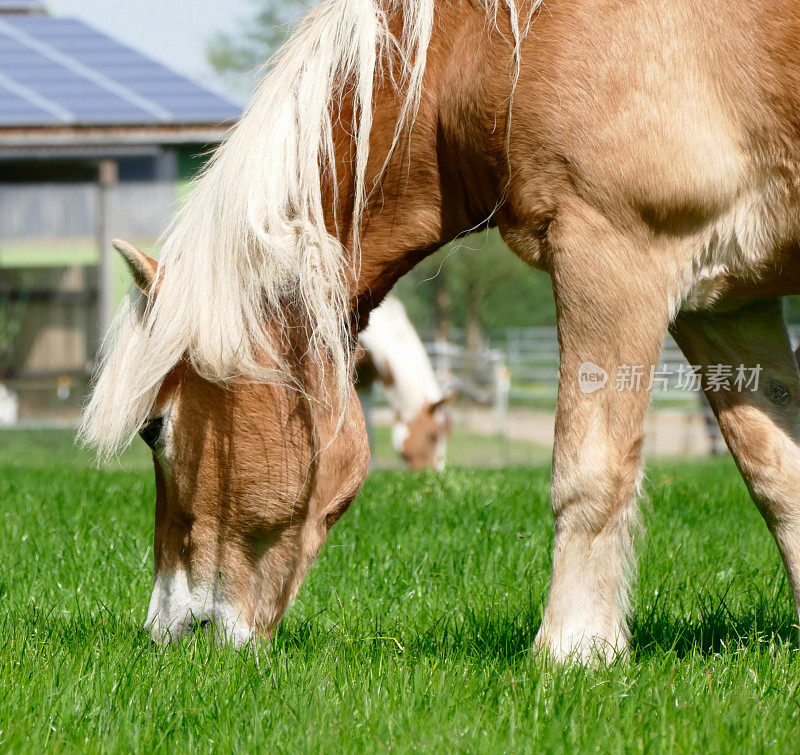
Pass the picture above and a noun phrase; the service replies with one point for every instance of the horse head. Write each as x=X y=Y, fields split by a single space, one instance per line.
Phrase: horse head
x=250 y=477
x=422 y=440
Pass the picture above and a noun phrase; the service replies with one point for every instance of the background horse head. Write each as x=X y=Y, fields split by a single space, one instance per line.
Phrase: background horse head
x=392 y=352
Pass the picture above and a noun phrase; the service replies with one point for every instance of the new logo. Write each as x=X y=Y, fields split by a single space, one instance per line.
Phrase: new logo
x=591 y=377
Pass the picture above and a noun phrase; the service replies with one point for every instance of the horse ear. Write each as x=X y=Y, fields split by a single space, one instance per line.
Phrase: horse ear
x=442 y=402
x=142 y=267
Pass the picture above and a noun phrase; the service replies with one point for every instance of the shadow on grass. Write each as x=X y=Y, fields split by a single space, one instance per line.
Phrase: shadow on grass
x=485 y=634
x=707 y=627
x=709 y=634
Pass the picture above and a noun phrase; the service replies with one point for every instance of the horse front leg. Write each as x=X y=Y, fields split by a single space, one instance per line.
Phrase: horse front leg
x=613 y=303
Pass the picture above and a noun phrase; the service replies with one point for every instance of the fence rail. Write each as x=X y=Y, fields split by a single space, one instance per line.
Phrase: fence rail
x=530 y=359
x=63 y=211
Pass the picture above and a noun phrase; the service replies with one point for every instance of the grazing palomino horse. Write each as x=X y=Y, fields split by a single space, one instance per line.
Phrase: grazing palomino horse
x=392 y=352
x=646 y=154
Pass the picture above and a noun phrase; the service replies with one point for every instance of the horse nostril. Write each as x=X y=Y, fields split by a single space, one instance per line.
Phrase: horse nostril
x=205 y=624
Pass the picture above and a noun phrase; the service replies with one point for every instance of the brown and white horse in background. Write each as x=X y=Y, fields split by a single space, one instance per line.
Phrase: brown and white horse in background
x=391 y=352
x=646 y=154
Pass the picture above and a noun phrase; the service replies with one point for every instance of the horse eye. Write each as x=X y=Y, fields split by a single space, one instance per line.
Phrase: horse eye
x=151 y=431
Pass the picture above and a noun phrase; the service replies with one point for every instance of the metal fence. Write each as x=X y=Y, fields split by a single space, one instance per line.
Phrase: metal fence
x=45 y=215
x=530 y=358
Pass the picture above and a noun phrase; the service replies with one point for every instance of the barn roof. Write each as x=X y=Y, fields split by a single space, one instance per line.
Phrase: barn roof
x=61 y=72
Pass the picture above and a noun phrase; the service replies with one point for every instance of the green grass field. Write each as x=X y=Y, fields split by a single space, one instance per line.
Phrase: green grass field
x=412 y=631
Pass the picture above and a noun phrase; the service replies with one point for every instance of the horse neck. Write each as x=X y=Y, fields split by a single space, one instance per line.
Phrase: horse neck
x=435 y=184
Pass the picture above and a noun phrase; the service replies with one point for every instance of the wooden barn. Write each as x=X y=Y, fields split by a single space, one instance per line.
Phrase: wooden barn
x=96 y=141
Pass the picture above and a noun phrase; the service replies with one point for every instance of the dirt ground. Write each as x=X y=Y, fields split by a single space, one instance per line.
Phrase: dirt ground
x=669 y=432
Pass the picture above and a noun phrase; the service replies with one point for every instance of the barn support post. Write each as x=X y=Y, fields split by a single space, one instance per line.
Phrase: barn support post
x=108 y=175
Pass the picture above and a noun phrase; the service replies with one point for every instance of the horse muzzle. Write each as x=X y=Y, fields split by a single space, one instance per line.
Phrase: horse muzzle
x=179 y=607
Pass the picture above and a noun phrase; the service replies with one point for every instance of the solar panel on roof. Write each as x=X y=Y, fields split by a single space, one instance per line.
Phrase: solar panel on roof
x=15 y=107
x=59 y=70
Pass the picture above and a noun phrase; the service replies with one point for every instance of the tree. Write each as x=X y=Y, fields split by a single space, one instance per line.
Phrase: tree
x=488 y=289
x=248 y=49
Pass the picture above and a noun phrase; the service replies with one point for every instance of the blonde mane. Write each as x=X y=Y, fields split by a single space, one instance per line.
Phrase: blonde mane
x=251 y=242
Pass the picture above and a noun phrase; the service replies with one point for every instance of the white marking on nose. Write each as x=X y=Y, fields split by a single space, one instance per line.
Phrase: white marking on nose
x=400 y=433
x=441 y=451
x=176 y=606
x=440 y=464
